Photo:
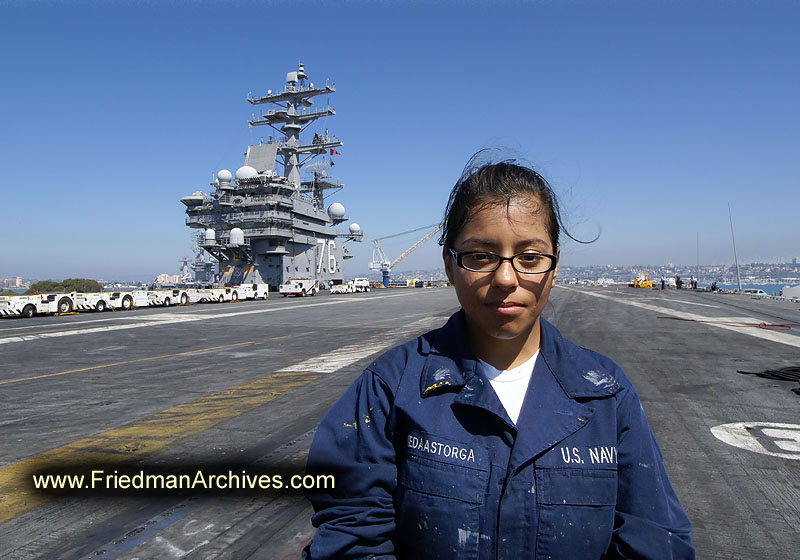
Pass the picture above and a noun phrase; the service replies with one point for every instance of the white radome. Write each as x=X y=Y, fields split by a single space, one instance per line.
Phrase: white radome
x=355 y=228
x=237 y=236
x=210 y=235
x=245 y=172
x=224 y=176
x=336 y=210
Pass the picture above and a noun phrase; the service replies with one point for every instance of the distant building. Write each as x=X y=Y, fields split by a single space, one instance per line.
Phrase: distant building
x=168 y=278
x=15 y=282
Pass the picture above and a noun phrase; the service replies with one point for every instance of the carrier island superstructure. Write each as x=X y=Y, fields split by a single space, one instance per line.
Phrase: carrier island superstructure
x=263 y=227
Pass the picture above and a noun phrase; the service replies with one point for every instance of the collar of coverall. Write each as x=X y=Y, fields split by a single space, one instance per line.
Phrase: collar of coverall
x=449 y=362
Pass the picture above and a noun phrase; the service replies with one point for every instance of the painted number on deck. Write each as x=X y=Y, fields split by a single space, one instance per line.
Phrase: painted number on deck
x=331 y=245
x=778 y=440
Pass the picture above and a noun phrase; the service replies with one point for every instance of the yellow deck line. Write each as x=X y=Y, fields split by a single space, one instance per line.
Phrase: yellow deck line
x=154 y=433
x=145 y=437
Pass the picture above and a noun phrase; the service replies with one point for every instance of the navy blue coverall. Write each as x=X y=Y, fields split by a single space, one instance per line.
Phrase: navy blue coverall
x=429 y=465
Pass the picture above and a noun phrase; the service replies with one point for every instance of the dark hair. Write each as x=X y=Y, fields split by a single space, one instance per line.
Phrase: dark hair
x=487 y=184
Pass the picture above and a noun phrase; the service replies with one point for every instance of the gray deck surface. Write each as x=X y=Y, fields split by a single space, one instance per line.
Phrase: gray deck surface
x=206 y=384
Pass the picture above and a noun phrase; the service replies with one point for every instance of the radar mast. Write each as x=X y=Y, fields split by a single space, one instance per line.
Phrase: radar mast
x=290 y=118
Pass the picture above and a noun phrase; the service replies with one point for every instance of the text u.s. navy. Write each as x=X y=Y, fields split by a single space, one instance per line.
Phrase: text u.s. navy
x=606 y=454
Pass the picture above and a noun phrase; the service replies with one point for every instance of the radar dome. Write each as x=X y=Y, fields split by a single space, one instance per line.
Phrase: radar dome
x=355 y=228
x=224 y=176
x=210 y=236
x=336 y=211
x=245 y=172
x=237 y=236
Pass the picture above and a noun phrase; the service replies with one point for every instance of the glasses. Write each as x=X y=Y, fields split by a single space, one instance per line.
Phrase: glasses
x=486 y=261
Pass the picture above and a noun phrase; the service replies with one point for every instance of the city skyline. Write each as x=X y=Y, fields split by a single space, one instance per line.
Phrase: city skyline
x=646 y=139
x=565 y=270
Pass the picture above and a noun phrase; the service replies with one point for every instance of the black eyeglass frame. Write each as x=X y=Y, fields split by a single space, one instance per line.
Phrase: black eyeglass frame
x=459 y=256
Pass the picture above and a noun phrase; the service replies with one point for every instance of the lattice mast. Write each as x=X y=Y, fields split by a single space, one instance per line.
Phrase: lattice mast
x=291 y=117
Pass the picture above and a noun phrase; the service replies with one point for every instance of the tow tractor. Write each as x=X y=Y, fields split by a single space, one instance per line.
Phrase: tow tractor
x=642 y=281
x=299 y=287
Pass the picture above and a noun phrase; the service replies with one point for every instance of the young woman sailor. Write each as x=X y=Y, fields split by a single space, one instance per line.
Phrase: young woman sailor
x=493 y=436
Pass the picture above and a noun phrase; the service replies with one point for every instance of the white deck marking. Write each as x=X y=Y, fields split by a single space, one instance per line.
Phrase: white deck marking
x=718 y=322
x=346 y=355
x=695 y=303
x=181 y=318
x=767 y=438
x=63 y=325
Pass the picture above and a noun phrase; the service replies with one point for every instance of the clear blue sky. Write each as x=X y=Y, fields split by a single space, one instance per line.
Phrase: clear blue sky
x=647 y=117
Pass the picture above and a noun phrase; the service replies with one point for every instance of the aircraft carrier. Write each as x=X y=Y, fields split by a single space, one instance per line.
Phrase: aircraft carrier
x=241 y=387
x=261 y=227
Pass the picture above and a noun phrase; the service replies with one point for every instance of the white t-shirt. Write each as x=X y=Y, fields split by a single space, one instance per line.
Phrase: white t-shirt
x=511 y=384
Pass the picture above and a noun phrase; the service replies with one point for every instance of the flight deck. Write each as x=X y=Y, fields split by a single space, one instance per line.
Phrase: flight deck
x=241 y=387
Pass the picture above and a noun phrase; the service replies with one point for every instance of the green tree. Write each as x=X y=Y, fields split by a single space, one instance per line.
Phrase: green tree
x=43 y=287
x=81 y=285
x=68 y=285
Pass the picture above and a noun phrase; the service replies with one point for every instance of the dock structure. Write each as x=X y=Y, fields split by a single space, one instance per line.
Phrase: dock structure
x=238 y=388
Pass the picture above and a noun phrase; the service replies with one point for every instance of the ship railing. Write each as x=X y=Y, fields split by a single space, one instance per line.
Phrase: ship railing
x=270 y=215
x=281 y=143
x=296 y=89
x=304 y=113
x=269 y=232
x=321 y=111
x=199 y=220
x=265 y=215
x=299 y=89
x=271 y=198
x=264 y=198
x=226 y=241
x=206 y=220
x=324 y=139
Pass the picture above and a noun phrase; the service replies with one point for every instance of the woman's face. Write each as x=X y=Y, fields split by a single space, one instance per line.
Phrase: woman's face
x=503 y=307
